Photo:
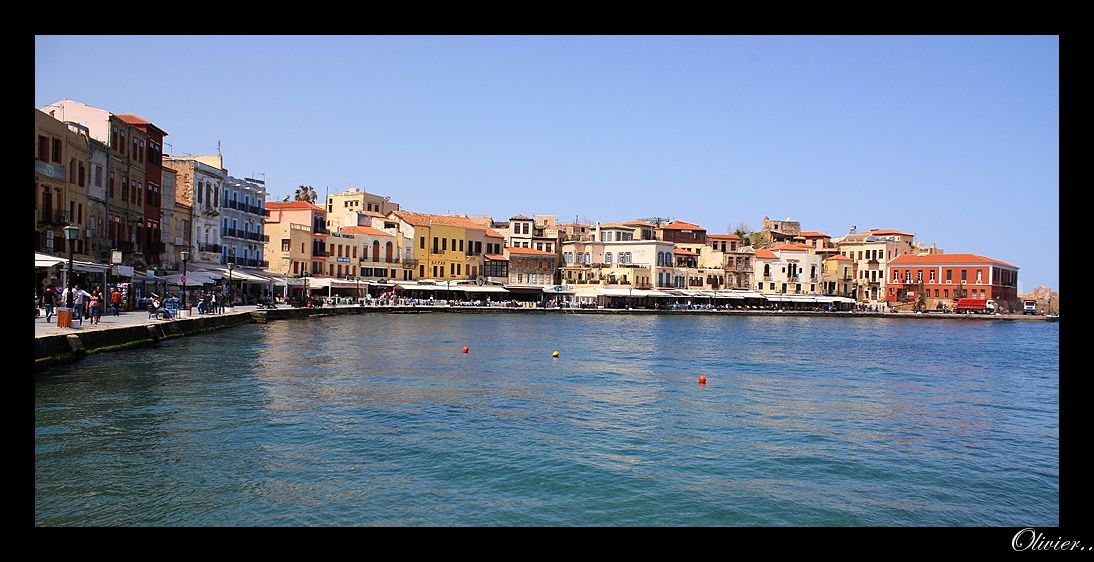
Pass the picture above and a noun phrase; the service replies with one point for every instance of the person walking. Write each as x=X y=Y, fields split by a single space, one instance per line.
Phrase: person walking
x=115 y=300
x=79 y=299
x=50 y=299
x=96 y=302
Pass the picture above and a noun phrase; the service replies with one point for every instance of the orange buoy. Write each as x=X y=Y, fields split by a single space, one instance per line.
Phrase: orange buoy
x=702 y=379
x=465 y=349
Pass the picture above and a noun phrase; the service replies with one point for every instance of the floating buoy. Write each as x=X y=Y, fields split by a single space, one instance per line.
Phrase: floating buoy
x=702 y=379
x=555 y=354
x=465 y=349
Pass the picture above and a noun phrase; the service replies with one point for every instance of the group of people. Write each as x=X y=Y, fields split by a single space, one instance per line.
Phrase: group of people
x=85 y=305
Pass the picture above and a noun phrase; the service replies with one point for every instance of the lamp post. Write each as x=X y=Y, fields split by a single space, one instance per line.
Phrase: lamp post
x=231 y=267
x=185 y=258
x=305 y=276
x=71 y=232
x=448 y=291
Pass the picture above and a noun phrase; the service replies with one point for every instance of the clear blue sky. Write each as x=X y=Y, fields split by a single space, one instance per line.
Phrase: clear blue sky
x=953 y=138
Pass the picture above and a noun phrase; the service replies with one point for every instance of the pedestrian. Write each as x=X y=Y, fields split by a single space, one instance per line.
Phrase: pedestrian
x=96 y=302
x=79 y=299
x=50 y=299
x=115 y=300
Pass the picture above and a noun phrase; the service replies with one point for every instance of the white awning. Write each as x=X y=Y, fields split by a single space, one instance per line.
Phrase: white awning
x=238 y=275
x=740 y=294
x=482 y=289
x=45 y=260
x=553 y=291
x=193 y=279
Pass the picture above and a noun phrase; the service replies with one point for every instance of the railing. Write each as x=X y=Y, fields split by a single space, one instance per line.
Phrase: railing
x=256 y=236
x=231 y=232
x=410 y=263
x=52 y=216
x=320 y=253
x=231 y=205
x=303 y=227
x=213 y=248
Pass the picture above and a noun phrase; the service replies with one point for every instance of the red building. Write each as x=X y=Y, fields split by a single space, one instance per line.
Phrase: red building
x=947 y=277
x=149 y=234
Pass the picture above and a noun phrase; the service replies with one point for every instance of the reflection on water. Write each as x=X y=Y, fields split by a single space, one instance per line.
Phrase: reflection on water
x=381 y=420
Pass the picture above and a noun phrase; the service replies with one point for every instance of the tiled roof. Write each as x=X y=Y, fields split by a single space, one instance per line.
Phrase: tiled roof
x=888 y=232
x=495 y=257
x=683 y=252
x=133 y=119
x=789 y=247
x=839 y=257
x=765 y=254
x=276 y=205
x=528 y=251
x=814 y=234
x=520 y=218
x=943 y=259
x=426 y=219
x=681 y=225
x=724 y=236
x=365 y=230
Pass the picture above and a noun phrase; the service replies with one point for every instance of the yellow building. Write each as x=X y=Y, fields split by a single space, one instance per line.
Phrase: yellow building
x=355 y=207
x=448 y=247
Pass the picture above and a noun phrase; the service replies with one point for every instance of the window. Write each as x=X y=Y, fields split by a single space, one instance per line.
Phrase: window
x=478 y=248
x=772 y=286
x=57 y=150
x=43 y=148
x=444 y=244
x=812 y=288
x=964 y=275
x=932 y=280
x=607 y=257
x=767 y=270
x=284 y=244
x=435 y=249
x=936 y=293
x=461 y=245
x=946 y=293
x=421 y=270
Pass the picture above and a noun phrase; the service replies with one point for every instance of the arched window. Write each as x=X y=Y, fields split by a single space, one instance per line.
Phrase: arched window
x=390 y=248
x=375 y=250
x=767 y=270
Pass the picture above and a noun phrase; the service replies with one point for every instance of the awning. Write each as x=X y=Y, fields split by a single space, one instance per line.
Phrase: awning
x=482 y=289
x=238 y=275
x=554 y=291
x=45 y=260
x=193 y=279
x=740 y=294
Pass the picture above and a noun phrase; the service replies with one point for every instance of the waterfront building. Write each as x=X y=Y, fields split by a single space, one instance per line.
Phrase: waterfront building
x=125 y=173
x=944 y=278
x=182 y=222
x=296 y=233
x=529 y=266
x=61 y=161
x=149 y=150
x=356 y=207
x=242 y=215
x=838 y=275
x=370 y=253
x=97 y=202
x=872 y=251
x=597 y=262
x=198 y=182
x=450 y=247
x=788 y=269
x=778 y=231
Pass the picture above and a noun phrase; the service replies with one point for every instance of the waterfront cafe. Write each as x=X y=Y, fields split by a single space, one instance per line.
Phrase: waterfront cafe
x=52 y=271
x=247 y=286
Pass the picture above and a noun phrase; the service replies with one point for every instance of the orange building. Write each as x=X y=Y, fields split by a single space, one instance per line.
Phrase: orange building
x=944 y=278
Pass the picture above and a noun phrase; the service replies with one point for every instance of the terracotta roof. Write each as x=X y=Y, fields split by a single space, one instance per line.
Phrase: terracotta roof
x=839 y=257
x=426 y=219
x=789 y=247
x=765 y=254
x=373 y=214
x=365 y=230
x=528 y=251
x=637 y=223
x=681 y=225
x=683 y=252
x=724 y=236
x=495 y=257
x=814 y=234
x=621 y=225
x=137 y=120
x=888 y=232
x=133 y=119
x=943 y=259
x=520 y=218
x=491 y=232
x=275 y=205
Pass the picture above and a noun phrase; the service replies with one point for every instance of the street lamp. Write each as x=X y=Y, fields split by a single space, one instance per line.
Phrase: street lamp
x=305 y=276
x=71 y=232
x=185 y=258
x=231 y=267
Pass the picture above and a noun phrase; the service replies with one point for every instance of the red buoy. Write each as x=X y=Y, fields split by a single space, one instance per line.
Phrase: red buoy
x=465 y=349
x=702 y=379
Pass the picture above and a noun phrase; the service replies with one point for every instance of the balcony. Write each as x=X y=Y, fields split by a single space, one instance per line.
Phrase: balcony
x=210 y=211
x=232 y=205
x=320 y=253
x=212 y=248
x=53 y=217
x=410 y=263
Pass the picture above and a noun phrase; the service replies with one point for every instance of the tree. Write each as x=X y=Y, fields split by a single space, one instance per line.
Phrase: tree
x=305 y=193
x=921 y=301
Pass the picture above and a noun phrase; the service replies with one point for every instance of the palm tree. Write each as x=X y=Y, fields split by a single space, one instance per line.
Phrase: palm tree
x=305 y=193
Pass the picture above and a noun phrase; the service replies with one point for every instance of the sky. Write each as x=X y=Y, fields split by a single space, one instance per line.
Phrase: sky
x=955 y=139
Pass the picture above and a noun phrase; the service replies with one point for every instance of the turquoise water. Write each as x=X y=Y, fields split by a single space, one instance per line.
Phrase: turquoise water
x=381 y=420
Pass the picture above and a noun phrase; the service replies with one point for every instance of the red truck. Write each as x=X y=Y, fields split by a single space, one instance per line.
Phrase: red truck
x=978 y=306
